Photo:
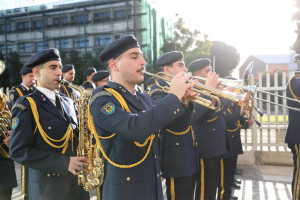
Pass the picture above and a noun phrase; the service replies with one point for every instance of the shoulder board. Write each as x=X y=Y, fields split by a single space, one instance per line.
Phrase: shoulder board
x=99 y=94
x=18 y=105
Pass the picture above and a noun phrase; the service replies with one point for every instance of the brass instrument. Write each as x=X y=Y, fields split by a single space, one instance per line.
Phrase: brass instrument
x=94 y=174
x=213 y=104
x=5 y=117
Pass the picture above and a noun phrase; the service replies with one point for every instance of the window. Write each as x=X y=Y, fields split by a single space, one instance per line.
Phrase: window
x=80 y=18
x=41 y=45
x=102 y=41
x=23 y=25
x=120 y=14
x=62 y=44
x=9 y=48
x=102 y=16
x=37 y=24
x=60 y=20
x=24 y=47
x=81 y=42
x=6 y=28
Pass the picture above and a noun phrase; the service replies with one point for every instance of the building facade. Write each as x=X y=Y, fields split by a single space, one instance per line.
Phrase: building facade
x=85 y=26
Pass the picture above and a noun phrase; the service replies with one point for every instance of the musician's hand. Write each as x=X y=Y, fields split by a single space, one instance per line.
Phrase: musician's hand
x=77 y=164
x=179 y=84
x=190 y=94
x=250 y=121
x=7 y=139
x=212 y=80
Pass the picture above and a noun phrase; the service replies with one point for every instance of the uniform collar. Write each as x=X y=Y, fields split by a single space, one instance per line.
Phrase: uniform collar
x=48 y=93
x=119 y=87
x=27 y=88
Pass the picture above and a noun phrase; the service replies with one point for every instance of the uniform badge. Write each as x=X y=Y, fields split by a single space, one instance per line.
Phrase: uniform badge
x=108 y=108
x=11 y=97
x=15 y=122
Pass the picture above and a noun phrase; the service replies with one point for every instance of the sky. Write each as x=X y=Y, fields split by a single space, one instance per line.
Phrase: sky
x=251 y=26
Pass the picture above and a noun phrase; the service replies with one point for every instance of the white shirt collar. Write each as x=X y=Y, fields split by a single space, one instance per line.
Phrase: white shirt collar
x=48 y=93
x=27 y=88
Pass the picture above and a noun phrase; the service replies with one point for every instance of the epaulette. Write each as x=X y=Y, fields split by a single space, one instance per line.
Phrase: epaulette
x=99 y=94
x=18 y=105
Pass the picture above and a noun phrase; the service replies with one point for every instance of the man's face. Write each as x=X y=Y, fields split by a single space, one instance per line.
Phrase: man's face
x=203 y=72
x=69 y=75
x=49 y=75
x=176 y=67
x=28 y=80
x=102 y=82
x=129 y=65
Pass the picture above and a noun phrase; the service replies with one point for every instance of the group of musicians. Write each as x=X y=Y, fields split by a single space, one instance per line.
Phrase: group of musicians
x=144 y=136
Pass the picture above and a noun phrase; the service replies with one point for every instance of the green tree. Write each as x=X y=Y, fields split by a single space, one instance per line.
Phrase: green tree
x=14 y=66
x=226 y=58
x=192 y=44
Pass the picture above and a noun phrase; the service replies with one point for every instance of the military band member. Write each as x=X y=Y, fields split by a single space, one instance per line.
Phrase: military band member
x=235 y=120
x=25 y=88
x=68 y=73
x=209 y=126
x=88 y=74
x=8 y=178
x=101 y=78
x=44 y=136
x=127 y=123
x=292 y=137
x=178 y=145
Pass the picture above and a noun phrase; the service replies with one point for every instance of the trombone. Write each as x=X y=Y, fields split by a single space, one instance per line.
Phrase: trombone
x=213 y=104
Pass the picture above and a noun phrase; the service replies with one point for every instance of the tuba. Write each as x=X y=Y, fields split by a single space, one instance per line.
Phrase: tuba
x=5 y=117
x=94 y=174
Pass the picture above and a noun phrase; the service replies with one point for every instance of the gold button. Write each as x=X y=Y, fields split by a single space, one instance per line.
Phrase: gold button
x=174 y=112
x=232 y=136
x=58 y=174
x=123 y=90
x=177 y=109
x=196 y=143
x=155 y=156
x=53 y=174
x=157 y=175
x=214 y=129
x=177 y=143
x=48 y=175
x=128 y=179
x=49 y=127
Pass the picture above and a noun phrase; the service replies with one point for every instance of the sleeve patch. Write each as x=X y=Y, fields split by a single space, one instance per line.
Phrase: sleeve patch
x=18 y=105
x=15 y=122
x=99 y=94
x=108 y=108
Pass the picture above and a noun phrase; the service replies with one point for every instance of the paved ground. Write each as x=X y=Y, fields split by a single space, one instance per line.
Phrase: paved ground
x=258 y=183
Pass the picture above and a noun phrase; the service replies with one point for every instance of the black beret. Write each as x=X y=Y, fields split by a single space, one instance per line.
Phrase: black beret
x=169 y=58
x=117 y=47
x=150 y=81
x=67 y=67
x=89 y=70
x=100 y=75
x=25 y=70
x=199 y=64
x=42 y=57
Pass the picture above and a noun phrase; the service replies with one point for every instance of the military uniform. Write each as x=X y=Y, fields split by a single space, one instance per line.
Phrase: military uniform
x=178 y=151
x=209 y=127
x=18 y=91
x=292 y=134
x=234 y=123
x=124 y=181
x=68 y=91
x=49 y=177
x=8 y=178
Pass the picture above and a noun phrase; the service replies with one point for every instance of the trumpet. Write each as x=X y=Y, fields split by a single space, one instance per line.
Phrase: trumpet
x=213 y=104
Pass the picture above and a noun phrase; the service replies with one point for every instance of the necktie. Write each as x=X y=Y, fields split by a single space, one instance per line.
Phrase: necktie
x=58 y=103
